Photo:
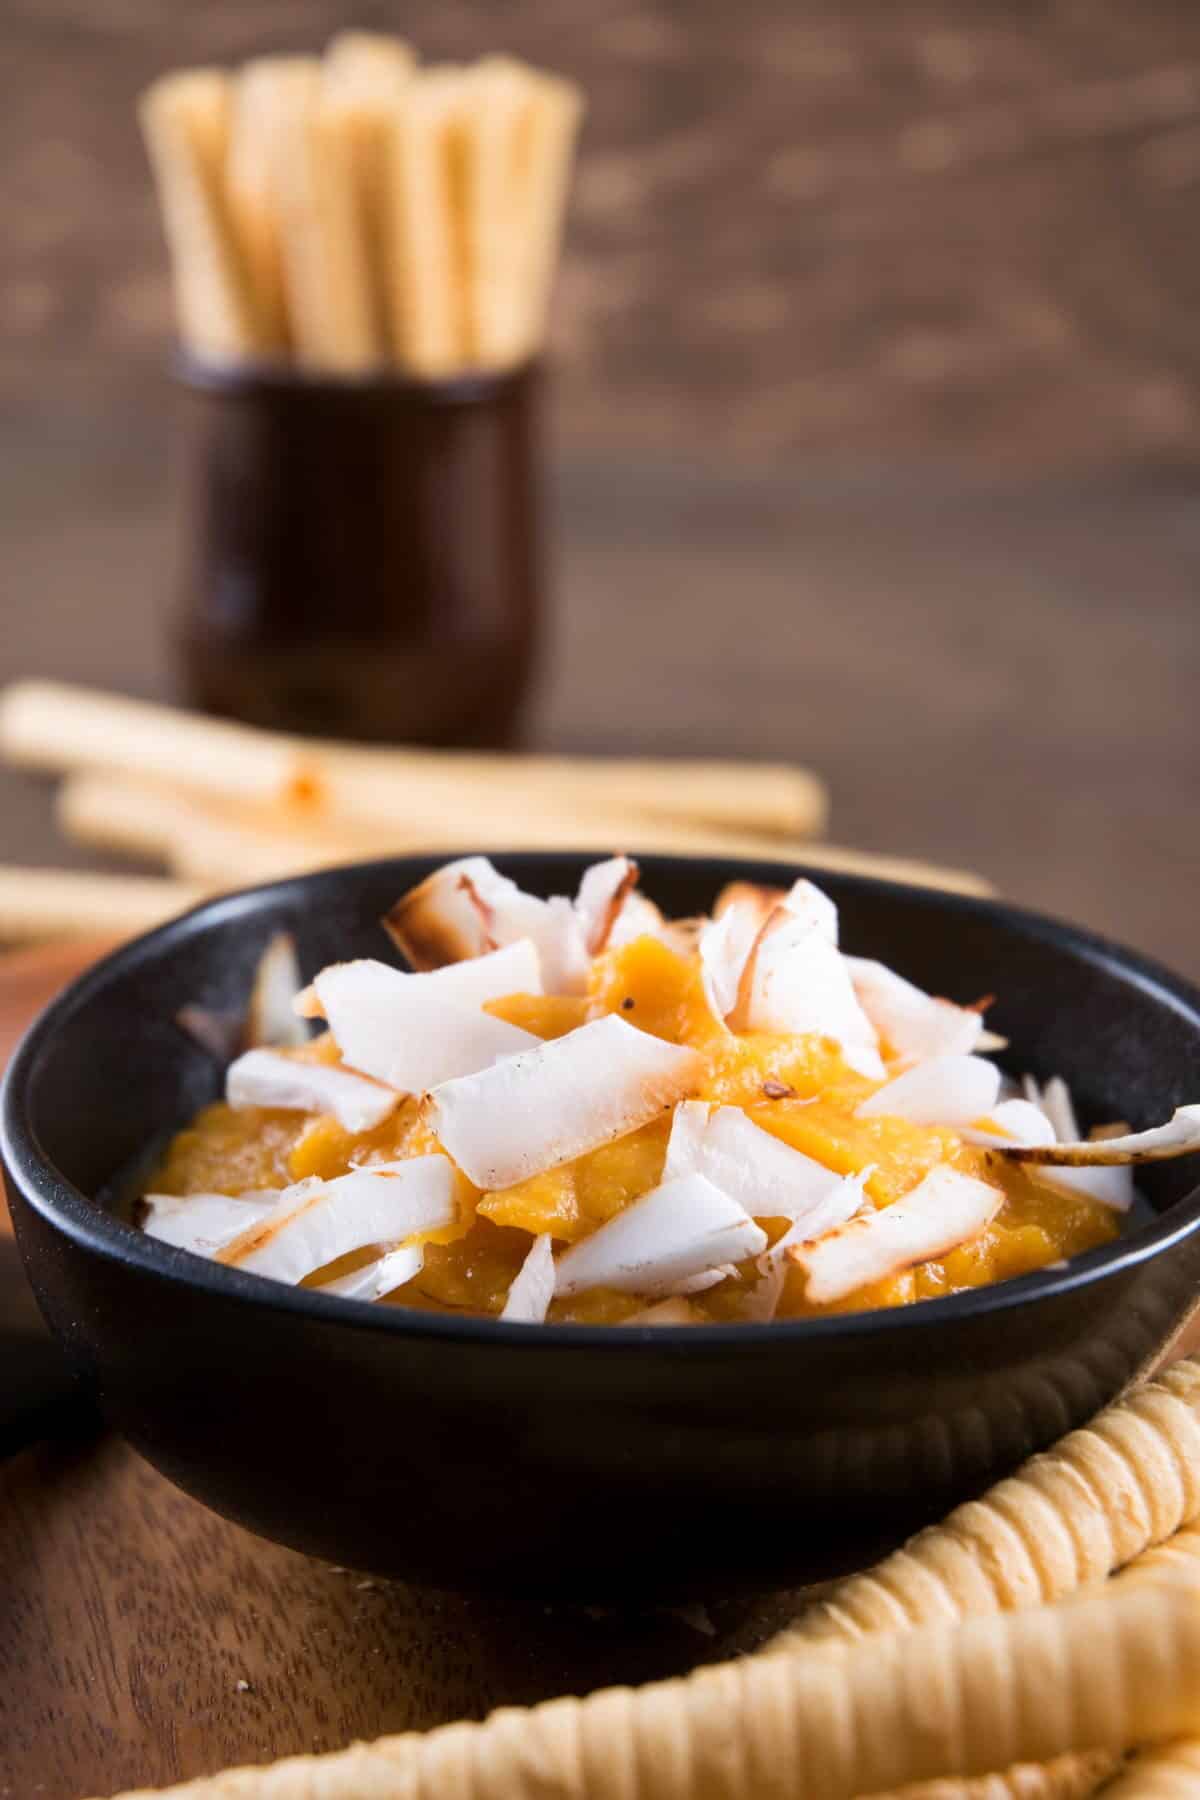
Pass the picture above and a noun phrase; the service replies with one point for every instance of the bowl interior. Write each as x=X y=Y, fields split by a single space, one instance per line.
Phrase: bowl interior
x=108 y=1071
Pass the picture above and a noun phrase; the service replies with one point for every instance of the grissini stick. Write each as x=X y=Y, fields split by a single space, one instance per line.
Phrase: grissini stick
x=264 y=93
x=552 y=127
x=185 y=120
x=60 y=726
x=494 y=155
x=206 y=837
x=422 y=227
x=37 y=904
x=363 y=75
x=325 y=259
x=1095 y=1672
x=1073 y=1515
x=1167 y=1772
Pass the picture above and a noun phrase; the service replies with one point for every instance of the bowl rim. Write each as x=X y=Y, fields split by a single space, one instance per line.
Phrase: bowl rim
x=70 y=1212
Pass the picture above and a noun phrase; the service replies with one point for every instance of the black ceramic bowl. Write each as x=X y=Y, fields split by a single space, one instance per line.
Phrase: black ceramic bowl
x=588 y=1462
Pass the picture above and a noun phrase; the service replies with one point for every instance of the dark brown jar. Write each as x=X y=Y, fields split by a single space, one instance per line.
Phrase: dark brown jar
x=361 y=558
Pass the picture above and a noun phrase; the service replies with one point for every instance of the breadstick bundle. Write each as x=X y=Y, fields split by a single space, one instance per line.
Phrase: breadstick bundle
x=357 y=212
x=221 y=805
x=994 y=1658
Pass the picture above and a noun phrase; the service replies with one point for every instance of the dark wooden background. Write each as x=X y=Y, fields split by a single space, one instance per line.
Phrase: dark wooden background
x=955 y=229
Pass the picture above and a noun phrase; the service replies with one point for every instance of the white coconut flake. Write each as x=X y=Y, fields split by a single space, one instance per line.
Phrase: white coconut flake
x=268 y=1078
x=1059 y=1108
x=640 y=917
x=404 y=1032
x=1011 y=1122
x=532 y=1288
x=545 y=1106
x=797 y=981
x=1078 y=1164
x=758 y=1170
x=946 y=1090
x=917 y=1025
x=603 y=892
x=813 y=907
x=271 y=1018
x=683 y=1228
x=316 y=1222
x=492 y=976
x=375 y=1279
x=725 y=945
x=947 y=1209
x=205 y=1223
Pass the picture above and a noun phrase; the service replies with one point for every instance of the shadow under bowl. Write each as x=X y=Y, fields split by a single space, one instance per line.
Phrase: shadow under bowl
x=584 y=1462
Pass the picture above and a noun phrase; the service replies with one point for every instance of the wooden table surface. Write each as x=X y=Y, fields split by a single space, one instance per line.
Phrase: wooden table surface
x=1003 y=677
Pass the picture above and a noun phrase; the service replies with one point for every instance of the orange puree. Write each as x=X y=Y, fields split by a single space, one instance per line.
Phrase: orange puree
x=796 y=1087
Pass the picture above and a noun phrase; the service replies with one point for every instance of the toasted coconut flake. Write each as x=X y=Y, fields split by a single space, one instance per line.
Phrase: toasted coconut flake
x=602 y=895
x=946 y=1090
x=401 y=1030
x=917 y=1025
x=797 y=981
x=468 y=908
x=1110 y=1184
x=204 y=1223
x=545 y=1106
x=532 y=1289
x=947 y=1209
x=316 y=1222
x=762 y=901
x=271 y=1018
x=220 y=1033
x=1010 y=1122
x=268 y=1078
x=813 y=907
x=759 y=1171
x=375 y=1279
x=1180 y=1136
x=683 y=1228
x=675 y=1311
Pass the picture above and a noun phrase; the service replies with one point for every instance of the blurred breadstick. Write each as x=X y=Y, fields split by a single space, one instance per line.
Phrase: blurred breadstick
x=38 y=904
x=363 y=75
x=57 y=726
x=423 y=238
x=222 y=844
x=1098 y=1672
x=495 y=151
x=550 y=130
x=60 y=726
x=324 y=252
x=266 y=93
x=185 y=120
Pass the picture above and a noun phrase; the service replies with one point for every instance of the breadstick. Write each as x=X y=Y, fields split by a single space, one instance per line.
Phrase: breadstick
x=551 y=129
x=57 y=726
x=1097 y=1672
x=185 y=120
x=363 y=77
x=221 y=844
x=36 y=904
x=264 y=94
x=324 y=252
x=422 y=237
x=1070 y=1516
x=1168 y=1772
x=52 y=725
x=495 y=154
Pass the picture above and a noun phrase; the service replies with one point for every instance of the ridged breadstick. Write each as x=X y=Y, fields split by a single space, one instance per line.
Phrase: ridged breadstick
x=494 y=152
x=363 y=77
x=550 y=132
x=423 y=237
x=1168 y=1772
x=1097 y=1672
x=265 y=91
x=1071 y=1516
